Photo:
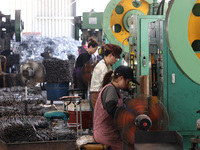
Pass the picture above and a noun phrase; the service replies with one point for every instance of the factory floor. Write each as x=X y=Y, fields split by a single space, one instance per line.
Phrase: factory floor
x=85 y=131
x=86 y=113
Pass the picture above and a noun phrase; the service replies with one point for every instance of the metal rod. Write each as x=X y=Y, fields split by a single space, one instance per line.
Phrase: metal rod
x=26 y=103
x=80 y=116
x=77 y=119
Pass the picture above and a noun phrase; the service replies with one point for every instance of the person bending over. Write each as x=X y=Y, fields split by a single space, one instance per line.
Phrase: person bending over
x=81 y=61
x=109 y=99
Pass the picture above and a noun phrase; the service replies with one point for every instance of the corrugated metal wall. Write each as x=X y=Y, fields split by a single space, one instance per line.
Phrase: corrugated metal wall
x=52 y=18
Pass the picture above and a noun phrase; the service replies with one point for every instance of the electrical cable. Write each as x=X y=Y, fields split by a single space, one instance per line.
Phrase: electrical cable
x=163 y=5
x=158 y=11
x=123 y=42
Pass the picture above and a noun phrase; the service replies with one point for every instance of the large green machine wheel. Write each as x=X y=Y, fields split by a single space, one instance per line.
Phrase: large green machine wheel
x=177 y=30
x=193 y=28
x=116 y=19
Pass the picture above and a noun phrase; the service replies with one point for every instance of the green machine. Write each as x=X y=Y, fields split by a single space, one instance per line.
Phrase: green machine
x=119 y=23
x=119 y=20
x=166 y=52
x=168 y=60
x=91 y=26
x=10 y=32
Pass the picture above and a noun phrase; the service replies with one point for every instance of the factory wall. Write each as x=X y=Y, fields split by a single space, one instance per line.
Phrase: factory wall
x=52 y=18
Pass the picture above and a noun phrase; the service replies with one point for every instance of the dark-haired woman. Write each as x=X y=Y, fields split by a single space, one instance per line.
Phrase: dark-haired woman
x=81 y=61
x=111 y=55
x=83 y=48
x=109 y=99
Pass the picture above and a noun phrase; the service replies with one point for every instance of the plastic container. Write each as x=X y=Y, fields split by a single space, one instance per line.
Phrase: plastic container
x=57 y=90
x=87 y=118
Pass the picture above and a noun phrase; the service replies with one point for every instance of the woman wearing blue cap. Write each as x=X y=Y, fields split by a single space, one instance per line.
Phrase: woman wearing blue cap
x=109 y=99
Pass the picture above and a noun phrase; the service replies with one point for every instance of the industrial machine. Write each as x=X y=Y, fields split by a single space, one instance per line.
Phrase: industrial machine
x=146 y=113
x=32 y=72
x=164 y=52
x=120 y=23
x=90 y=25
x=10 y=32
x=141 y=113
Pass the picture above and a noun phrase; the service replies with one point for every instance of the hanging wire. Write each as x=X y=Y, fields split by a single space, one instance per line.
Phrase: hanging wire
x=161 y=5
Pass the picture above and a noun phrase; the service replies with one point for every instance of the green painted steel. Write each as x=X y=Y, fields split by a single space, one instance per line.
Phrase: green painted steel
x=18 y=25
x=127 y=16
x=136 y=4
x=92 y=20
x=76 y=32
x=181 y=98
x=150 y=1
x=177 y=38
x=119 y=9
x=106 y=24
x=143 y=42
x=182 y=101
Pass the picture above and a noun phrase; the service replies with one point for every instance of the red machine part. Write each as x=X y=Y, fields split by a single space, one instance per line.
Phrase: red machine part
x=126 y=117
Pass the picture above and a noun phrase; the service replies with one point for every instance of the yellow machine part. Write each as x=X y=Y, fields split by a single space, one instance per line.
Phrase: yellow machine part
x=193 y=28
x=153 y=77
x=118 y=18
x=100 y=51
x=93 y=146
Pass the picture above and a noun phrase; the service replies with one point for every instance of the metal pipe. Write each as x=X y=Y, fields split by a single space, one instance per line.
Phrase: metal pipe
x=5 y=61
x=26 y=101
x=77 y=118
x=80 y=116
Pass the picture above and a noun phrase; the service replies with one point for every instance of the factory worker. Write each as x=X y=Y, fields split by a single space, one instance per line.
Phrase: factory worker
x=83 y=48
x=81 y=61
x=109 y=99
x=47 y=52
x=111 y=55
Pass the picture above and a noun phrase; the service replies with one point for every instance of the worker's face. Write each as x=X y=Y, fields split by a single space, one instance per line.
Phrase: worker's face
x=124 y=83
x=94 y=49
x=113 y=59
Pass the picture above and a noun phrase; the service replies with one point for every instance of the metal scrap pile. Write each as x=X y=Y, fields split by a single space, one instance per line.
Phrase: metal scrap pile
x=33 y=45
x=16 y=127
x=29 y=129
x=11 y=80
x=57 y=70
x=12 y=101
x=20 y=128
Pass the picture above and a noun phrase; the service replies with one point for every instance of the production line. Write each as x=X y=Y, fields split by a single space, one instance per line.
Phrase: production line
x=160 y=42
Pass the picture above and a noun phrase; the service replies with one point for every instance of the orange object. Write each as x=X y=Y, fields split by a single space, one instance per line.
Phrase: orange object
x=125 y=117
x=87 y=116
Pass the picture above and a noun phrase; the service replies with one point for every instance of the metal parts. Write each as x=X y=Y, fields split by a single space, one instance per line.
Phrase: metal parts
x=7 y=29
x=143 y=113
x=116 y=19
x=177 y=38
x=33 y=71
